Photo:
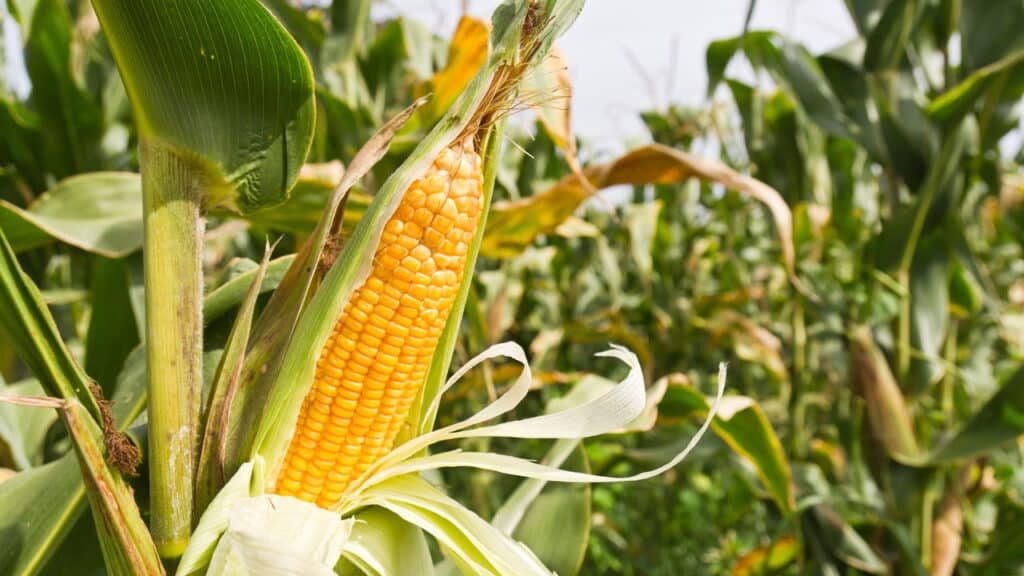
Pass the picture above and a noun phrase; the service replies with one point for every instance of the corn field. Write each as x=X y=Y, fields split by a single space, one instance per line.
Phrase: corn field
x=308 y=288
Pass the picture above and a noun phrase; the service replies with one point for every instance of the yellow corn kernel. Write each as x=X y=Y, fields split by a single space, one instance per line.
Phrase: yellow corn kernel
x=374 y=363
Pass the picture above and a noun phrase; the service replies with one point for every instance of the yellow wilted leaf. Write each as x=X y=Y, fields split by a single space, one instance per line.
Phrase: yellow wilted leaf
x=512 y=226
x=548 y=89
x=767 y=559
x=467 y=53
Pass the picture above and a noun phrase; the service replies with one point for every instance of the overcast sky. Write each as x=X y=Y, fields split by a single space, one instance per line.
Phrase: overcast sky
x=630 y=55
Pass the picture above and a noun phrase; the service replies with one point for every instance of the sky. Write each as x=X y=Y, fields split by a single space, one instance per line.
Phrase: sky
x=625 y=56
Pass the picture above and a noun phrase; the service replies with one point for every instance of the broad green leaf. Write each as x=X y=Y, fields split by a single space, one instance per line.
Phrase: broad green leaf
x=556 y=526
x=791 y=66
x=805 y=79
x=99 y=212
x=304 y=209
x=1000 y=420
x=401 y=48
x=966 y=296
x=850 y=85
x=70 y=119
x=953 y=104
x=23 y=430
x=346 y=125
x=910 y=138
x=349 y=19
x=843 y=541
x=22 y=144
x=988 y=31
x=232 y=293
x=201 y=83
x=717 y=57
x=929 y=312
x=79 y=554
x=32 y=330
x=346 y=39
x=40 y=506
x=888 y=39
x=113 y=333
x=307 y=30
x=381 y=544
x=742 y=424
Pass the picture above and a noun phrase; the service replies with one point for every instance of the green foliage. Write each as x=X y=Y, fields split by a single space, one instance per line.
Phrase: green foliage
x=874 y=373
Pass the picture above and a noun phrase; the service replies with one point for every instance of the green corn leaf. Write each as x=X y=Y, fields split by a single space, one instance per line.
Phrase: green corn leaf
x=556 y=525
x=113 y=333
x=69 y=118
x=40 y=529
x=929 y=312
x=742 y=424
x=29 y=325
x=952 y=105
x=99 y=212
x=232 y=293
x=1000 y=420
x=236 y=101
x=381 y=543
x=39 y=507
x=887 y=41
x=22 y=431
x=473 y=543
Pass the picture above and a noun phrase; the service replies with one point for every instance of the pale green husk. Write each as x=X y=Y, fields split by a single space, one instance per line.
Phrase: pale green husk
x=394 y=484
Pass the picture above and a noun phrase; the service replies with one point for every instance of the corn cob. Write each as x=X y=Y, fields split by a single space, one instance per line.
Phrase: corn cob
x=371 y=369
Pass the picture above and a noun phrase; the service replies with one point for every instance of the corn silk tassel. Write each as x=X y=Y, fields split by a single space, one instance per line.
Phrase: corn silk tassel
x=367 y=361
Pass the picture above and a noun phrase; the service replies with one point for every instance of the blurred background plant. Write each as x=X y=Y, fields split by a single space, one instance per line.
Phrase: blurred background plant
x=849 y=239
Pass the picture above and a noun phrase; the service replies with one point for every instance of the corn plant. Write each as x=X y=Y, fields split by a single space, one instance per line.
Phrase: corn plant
x=854 y=253
x=887 y=368
x=302 y=452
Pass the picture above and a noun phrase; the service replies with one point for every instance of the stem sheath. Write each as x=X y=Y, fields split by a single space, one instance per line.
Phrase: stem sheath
x=172 y=200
